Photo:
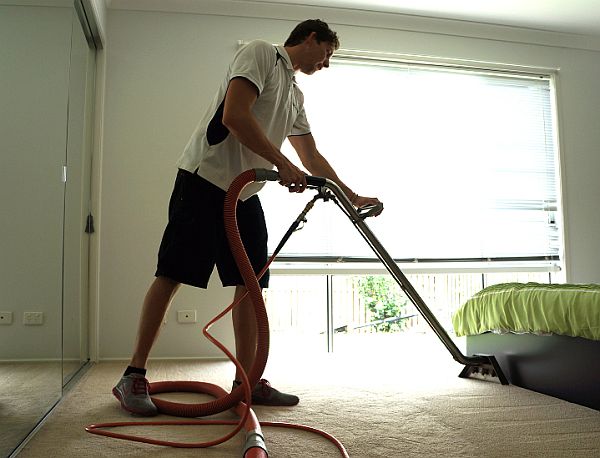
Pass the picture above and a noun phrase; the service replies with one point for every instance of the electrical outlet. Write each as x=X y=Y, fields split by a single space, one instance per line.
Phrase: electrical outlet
x=186 y=316
x=33 y=318
x=6 y=317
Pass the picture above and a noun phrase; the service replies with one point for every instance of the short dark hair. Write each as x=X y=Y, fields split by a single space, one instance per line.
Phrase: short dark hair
x=305 y=28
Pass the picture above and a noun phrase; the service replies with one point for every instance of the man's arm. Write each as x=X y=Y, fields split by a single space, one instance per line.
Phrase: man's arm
x=239 y=119
x=317 y=165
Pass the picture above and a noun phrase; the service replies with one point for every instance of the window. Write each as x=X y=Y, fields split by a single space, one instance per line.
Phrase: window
x=464 y=160
x=325 y=312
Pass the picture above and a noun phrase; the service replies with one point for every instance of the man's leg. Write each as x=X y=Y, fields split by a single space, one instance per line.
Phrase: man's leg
x=132 y=389
x=155 y=306
x=244 y=329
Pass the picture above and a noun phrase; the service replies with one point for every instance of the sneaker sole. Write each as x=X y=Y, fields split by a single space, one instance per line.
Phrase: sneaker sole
x=274 y=402
x=117 y=395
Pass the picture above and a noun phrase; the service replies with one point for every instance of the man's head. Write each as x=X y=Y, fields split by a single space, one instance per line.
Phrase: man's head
x=310 y=45
x=321 y=30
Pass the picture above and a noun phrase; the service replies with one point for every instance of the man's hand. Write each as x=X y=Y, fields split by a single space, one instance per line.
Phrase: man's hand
x=360 y=201
x=292 y=177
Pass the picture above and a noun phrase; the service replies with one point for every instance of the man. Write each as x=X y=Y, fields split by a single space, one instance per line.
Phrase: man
x=257 y=106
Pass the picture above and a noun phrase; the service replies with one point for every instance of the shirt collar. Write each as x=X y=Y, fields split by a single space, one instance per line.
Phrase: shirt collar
x=285 y=56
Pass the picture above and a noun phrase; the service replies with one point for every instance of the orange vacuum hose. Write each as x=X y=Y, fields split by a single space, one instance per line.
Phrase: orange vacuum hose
x=240 y=398
x=262 y=336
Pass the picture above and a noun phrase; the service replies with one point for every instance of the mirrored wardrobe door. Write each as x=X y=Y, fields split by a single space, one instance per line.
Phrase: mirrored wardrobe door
x=47 y=70
x=77 y=225
x=35 y=43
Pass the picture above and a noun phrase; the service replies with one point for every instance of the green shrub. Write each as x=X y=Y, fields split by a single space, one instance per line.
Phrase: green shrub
x=384 y=299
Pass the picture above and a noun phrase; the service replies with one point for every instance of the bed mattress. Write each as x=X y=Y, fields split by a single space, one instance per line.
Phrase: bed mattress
x=564 y=309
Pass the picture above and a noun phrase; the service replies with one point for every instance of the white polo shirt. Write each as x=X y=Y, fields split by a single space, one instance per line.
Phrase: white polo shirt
x=214 y=152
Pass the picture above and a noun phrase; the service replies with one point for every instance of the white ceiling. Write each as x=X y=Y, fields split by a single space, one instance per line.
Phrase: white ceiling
x=571 y=16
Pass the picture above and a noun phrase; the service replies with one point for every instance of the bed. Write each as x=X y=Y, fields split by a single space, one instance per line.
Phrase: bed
x=545 y=337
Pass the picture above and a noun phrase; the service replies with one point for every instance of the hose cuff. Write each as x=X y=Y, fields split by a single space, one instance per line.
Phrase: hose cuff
x=266 y=175
x=253 y=440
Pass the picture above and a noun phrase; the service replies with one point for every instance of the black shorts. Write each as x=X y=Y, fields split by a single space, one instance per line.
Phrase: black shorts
x=194 y=240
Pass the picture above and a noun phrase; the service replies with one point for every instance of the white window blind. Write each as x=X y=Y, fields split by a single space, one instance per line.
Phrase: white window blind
x=464 y=161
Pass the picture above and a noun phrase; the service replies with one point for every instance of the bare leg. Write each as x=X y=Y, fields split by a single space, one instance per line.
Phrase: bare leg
x=155 y=306
x=244 y=330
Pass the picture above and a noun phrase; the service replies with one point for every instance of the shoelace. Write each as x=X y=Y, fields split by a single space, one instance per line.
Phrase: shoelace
x=265 y=387
x=140 y=386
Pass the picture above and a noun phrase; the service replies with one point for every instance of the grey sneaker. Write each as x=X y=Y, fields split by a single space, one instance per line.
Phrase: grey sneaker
x=132 y=393
x=264 y=394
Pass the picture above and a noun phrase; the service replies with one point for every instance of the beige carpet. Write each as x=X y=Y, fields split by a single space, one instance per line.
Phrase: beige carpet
x=402 y=399
x=29 y=390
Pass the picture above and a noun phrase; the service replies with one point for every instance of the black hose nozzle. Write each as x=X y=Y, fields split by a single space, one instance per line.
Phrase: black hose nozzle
x=266 y=175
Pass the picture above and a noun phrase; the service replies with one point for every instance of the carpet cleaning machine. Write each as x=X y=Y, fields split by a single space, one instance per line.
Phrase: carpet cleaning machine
x=483 y=367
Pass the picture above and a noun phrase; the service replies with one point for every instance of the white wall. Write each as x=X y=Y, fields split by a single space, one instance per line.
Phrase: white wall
x=162 y=69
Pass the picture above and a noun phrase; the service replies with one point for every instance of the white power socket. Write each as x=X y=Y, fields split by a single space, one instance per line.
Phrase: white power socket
x=33 y=318
x=186 y=316
x=6 y=317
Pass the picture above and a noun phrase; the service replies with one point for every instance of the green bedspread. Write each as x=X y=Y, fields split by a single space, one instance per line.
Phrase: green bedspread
x=567 y=309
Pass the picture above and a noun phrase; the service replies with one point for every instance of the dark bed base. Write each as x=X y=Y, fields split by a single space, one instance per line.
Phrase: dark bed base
x=564 y=367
